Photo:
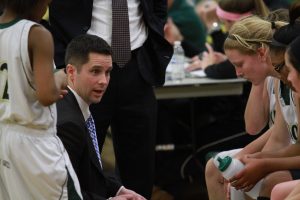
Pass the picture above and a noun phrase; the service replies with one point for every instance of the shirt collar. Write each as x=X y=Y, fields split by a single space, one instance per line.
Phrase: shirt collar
x=84 y=107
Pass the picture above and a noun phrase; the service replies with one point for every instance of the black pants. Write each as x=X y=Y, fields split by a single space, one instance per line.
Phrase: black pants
x=129 y=107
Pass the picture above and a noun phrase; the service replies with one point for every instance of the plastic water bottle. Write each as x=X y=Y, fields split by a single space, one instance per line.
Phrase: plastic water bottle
x=229 y=166
x=177 y=63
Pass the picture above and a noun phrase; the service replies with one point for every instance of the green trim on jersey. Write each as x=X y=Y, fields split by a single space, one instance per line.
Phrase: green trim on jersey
x=8 y=24
x=72 y=193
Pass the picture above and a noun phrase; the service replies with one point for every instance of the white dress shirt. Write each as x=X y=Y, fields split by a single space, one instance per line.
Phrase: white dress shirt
x=101 y=24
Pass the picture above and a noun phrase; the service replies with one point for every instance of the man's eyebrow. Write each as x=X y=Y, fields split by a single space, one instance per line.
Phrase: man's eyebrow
x=102 y=67
x=97 y=66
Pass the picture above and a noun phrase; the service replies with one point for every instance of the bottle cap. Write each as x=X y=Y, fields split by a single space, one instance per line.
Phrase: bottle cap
x=177 y=43
x=224 y=163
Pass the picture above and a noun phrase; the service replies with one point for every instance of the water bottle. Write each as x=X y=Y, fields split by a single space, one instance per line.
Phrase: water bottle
x=177 y=63
x=229 y=166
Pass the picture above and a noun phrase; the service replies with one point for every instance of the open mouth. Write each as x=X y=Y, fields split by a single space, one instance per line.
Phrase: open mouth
x=98 y=92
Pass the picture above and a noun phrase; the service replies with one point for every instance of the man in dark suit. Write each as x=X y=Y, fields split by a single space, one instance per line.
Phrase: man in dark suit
x=129 y=104
x=89 y=64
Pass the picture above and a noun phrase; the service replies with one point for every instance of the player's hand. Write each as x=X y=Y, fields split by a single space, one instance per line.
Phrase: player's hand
x=131 y=194
x=211 y=57
x=61 y=82
x=254 y=170
x=63 y=93
x=195 y=65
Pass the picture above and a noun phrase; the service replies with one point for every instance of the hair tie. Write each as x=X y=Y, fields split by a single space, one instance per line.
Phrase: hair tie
x=273 y=25
x=230 y=15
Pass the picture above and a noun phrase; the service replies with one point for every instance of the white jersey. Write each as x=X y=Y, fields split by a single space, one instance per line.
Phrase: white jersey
x=272 y=99
x=18 y=101
x=288 y=109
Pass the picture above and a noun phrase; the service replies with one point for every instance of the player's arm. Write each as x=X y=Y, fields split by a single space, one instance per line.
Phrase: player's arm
x=255 y=146
x=41 y=52
x=280 y=137
x=256 y=169
x=257 y=109
x=293 y=149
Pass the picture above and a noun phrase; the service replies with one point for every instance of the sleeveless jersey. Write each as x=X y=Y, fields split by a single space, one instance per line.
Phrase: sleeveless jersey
x=288 y=108
x=18 y=101
x=272 y=99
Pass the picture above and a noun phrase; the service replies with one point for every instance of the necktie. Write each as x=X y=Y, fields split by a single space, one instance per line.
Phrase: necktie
x=120 y=39
x=90 y=124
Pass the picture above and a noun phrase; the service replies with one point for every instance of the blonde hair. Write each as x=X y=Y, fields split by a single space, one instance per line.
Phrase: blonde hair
x=248 y=34
x=260 y=8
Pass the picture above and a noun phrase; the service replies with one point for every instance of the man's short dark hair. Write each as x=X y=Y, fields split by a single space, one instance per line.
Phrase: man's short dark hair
x=80 y=47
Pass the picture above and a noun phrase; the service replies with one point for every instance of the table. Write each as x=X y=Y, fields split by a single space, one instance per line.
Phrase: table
x=200 y=87
x=196 y=87
x=191 y=88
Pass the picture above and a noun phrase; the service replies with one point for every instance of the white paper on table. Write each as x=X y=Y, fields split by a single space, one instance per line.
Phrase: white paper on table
x=198 y=73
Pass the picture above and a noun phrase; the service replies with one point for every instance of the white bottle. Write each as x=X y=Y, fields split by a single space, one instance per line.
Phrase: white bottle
x=177 y=63
x=229 y=167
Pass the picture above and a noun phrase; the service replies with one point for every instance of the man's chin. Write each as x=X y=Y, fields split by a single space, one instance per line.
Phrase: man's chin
x=96 y=100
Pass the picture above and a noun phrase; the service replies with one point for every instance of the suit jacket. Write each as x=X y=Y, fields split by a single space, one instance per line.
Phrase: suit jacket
x=72 y=131
x=69 y=18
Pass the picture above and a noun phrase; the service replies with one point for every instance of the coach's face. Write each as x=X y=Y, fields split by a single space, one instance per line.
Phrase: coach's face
x=91 y=81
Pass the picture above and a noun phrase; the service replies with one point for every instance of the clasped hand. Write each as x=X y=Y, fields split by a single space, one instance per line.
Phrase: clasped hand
x=253 y=171
x=206 y=59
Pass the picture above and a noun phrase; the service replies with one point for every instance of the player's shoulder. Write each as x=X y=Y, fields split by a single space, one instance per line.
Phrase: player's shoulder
x=39 y=36
x=38 y=30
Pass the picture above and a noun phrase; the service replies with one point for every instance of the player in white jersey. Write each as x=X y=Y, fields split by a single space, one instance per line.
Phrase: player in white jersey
x=260 y=110
x=33 y=161
x=289 y=110
x=291 y=189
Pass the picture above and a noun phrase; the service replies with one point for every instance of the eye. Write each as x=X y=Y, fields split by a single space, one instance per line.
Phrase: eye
x=278 y=67
x=95 y=71
x=238 y=65
x=108 y=71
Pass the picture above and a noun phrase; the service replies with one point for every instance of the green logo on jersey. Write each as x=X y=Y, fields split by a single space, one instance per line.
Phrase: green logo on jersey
x=285 y=94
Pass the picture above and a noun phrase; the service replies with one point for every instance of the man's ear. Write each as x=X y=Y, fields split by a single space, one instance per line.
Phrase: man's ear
x=263 y=53
x=71 y=70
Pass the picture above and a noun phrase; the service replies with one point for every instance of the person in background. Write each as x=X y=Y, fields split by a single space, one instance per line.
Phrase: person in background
x=33 y=161
x=214 y=63
x=135 y=31
x=277 y=4
x=185 y=19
